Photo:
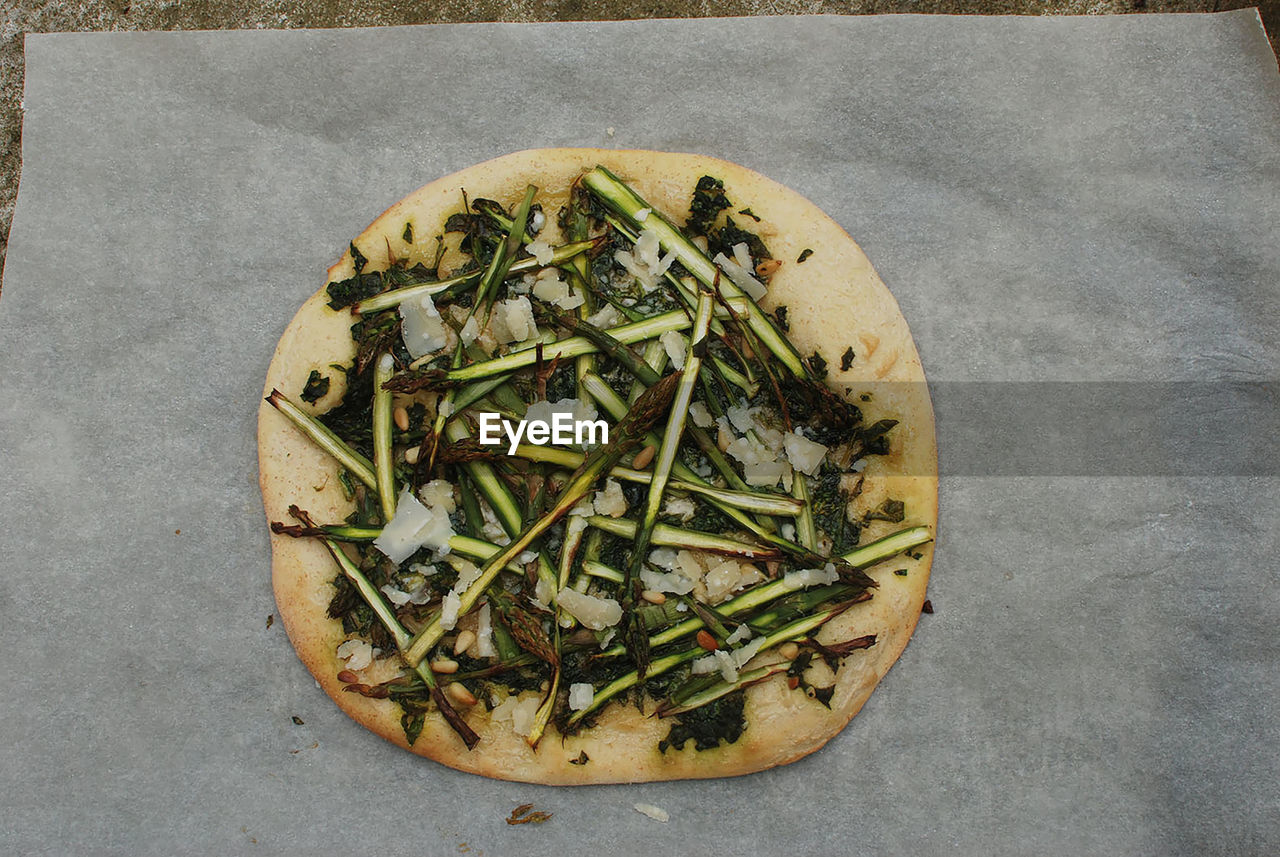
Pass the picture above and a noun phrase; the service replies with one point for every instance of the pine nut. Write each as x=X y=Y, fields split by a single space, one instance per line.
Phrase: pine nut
x=461 y=695
x=767 y=267
x=653 y=597
x=707 y=641
x=789 y=651
x=411 y=455
x=643 y=457
x=444 y=667
x=401 y=416
x=464 y=641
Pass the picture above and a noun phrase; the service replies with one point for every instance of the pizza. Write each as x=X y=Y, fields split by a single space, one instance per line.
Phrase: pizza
x=594 y=466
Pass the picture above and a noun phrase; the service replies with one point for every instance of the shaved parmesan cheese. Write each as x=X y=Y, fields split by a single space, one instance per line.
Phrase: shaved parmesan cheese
x=438 y=494
x=357 y=653
x=606 y=317
x=581 y=695
x=700 y=415
x=672 y=581
x=413 y=526
x=805 y=455
x=742 y=632
x=549 y=288
x=675 y=346
x=595 y=613
x=470 y=331
x=727 y=577
x=679 y=507
x=704 y=665
x=520 y=713
x=806 y=577
x=449 y=607
x=398 y=597
x=422 y=329
x=728 y=667
x=484 y=634
x=611 y=501
x=741 y=276
x=643 y=262
x=513 y=320
x=541 y=251
x=657 y=813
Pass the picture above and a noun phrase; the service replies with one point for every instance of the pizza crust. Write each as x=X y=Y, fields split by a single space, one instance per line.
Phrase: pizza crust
x=835 y=300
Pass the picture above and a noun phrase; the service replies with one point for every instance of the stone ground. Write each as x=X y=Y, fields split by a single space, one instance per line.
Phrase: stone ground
x=46 y=16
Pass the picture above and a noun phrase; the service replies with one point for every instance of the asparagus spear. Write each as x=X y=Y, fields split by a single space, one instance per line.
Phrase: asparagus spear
x=359 y=466
x=384 y=469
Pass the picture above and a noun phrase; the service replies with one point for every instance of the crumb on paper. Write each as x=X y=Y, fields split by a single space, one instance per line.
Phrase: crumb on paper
x=657 y=813
x=524 y=814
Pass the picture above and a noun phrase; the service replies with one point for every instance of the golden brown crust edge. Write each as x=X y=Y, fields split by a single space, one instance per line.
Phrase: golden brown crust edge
x=851 y=307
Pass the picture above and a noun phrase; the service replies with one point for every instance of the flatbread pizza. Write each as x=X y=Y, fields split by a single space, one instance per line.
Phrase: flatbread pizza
x=593 y=466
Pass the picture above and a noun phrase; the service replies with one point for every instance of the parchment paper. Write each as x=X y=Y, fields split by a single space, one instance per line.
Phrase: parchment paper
x=1051 y=200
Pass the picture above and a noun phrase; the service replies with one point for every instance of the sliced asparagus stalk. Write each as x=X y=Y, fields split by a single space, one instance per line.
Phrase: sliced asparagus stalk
x=806 y=529
x=636 y=634
x=723 y=688
x=359 y=466
x=626 y=334
x=752 y=501
x=385 y=470
x=665 y=535
x=395 y=297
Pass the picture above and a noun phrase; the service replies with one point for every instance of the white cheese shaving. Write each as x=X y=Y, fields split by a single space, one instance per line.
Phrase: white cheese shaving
x=700 y=415
x=657 y=813
x=398 y=597
x=611 y=501
x=449 y=607
x=520 y=713
x=741 y=276
x=728 y=576
x=413 y=526
x=704 y=665
x=679 y=507
x=550 y=289
x=728 y=667
x=595 y=613
x=672 y=581
x=484 y=634
x=470 y=331
x=806 y=577
x=643 y=261
x=581 y=695
x=675 y=345
x=805 y=455
x=513 y=320
x=357 y=653
x=605 y=318
x=422 y=329
x=541 y=251
x=742 y=632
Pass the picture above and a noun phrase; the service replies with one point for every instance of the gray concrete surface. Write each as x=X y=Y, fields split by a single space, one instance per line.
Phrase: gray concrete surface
x=45 y=16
